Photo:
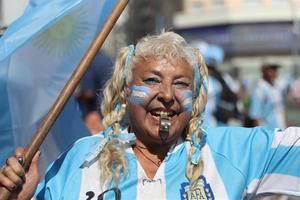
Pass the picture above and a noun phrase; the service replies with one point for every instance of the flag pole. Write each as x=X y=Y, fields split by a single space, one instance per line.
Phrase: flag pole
x=67 y=91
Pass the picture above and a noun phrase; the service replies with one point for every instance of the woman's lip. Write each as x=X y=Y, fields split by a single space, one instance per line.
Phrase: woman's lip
x=170 y=113
x=156 y=119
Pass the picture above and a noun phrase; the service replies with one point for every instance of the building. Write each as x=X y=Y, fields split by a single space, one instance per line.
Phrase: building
x=10 y=10
x=249 y=30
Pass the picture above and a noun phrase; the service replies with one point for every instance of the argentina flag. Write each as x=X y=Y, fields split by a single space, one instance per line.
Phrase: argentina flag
x=38 y=54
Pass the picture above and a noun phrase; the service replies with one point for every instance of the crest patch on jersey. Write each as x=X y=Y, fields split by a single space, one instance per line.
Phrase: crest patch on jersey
x=202 y=191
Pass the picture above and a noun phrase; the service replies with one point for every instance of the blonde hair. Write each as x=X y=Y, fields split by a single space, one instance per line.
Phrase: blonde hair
x=193 y=171
x=167 y=45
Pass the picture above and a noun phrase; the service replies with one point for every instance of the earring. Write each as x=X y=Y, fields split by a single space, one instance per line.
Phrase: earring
x=124 y=122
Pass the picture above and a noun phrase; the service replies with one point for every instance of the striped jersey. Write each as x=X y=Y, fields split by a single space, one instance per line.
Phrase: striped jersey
x=239 y=163
x=213 y=98
x=267 y=104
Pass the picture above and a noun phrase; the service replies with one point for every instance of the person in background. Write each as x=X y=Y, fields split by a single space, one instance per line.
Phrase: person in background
x=222 y=106
x=213 y=56
x=240 y=89
x=295 y=91
x=267 y=107
x=236 y=84
x=89 y=94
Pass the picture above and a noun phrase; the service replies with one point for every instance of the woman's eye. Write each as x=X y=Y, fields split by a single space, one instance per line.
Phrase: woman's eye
x=182 y=84
x=152 y=81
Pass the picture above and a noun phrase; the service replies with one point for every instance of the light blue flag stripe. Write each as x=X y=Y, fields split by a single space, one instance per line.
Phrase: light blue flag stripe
x=38 y=53
x=6 y=138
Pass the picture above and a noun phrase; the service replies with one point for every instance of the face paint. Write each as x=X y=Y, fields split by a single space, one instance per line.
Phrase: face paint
x=186 y=100
x=139 y=95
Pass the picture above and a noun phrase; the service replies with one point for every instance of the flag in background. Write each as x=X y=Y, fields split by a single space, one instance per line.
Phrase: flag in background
x=38 y=53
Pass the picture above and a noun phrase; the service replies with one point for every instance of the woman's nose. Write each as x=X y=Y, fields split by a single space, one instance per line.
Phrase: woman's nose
x=166 y=93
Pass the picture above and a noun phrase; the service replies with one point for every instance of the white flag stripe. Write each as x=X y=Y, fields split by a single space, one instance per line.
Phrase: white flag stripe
x=138 y=93
x=276 y=183
x=286 y=137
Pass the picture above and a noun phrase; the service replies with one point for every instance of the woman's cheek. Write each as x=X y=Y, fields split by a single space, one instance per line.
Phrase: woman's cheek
x=186 y=100
x=140 y=95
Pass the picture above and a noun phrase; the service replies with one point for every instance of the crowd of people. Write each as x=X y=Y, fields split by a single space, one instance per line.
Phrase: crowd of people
x=233 y=102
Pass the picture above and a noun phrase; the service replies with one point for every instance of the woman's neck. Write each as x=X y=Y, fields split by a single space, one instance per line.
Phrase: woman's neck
x=150 y=156
x=155 y=149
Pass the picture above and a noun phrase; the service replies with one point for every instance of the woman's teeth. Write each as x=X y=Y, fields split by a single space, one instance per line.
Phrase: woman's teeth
x=161 y=113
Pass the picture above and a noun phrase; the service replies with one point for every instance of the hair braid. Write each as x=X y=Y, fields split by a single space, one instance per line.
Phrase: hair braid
x=194 y=171
x=113 y=161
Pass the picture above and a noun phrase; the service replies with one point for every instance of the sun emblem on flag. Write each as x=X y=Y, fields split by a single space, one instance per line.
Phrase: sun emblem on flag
x=65 y=36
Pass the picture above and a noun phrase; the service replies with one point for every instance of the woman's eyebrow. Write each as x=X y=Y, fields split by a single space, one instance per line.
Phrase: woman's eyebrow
x=180 y=76
x=156 y=72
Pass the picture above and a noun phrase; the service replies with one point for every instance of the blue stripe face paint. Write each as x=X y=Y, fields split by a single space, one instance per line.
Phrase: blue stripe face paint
x=186 y=100
x=139 y=95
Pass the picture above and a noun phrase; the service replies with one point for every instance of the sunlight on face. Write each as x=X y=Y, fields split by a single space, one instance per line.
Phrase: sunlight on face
x=158 y=85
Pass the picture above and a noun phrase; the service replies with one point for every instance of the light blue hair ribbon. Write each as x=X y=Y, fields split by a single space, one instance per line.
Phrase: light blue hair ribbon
x=205 y=85
x=118 y=107
x=197 y=77
x=125 y=138
x=128 y=59
x=125 y=72
x=107 y=131
x=197 y=153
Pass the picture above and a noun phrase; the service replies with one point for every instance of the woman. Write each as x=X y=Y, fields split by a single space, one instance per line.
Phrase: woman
x=154 y=147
